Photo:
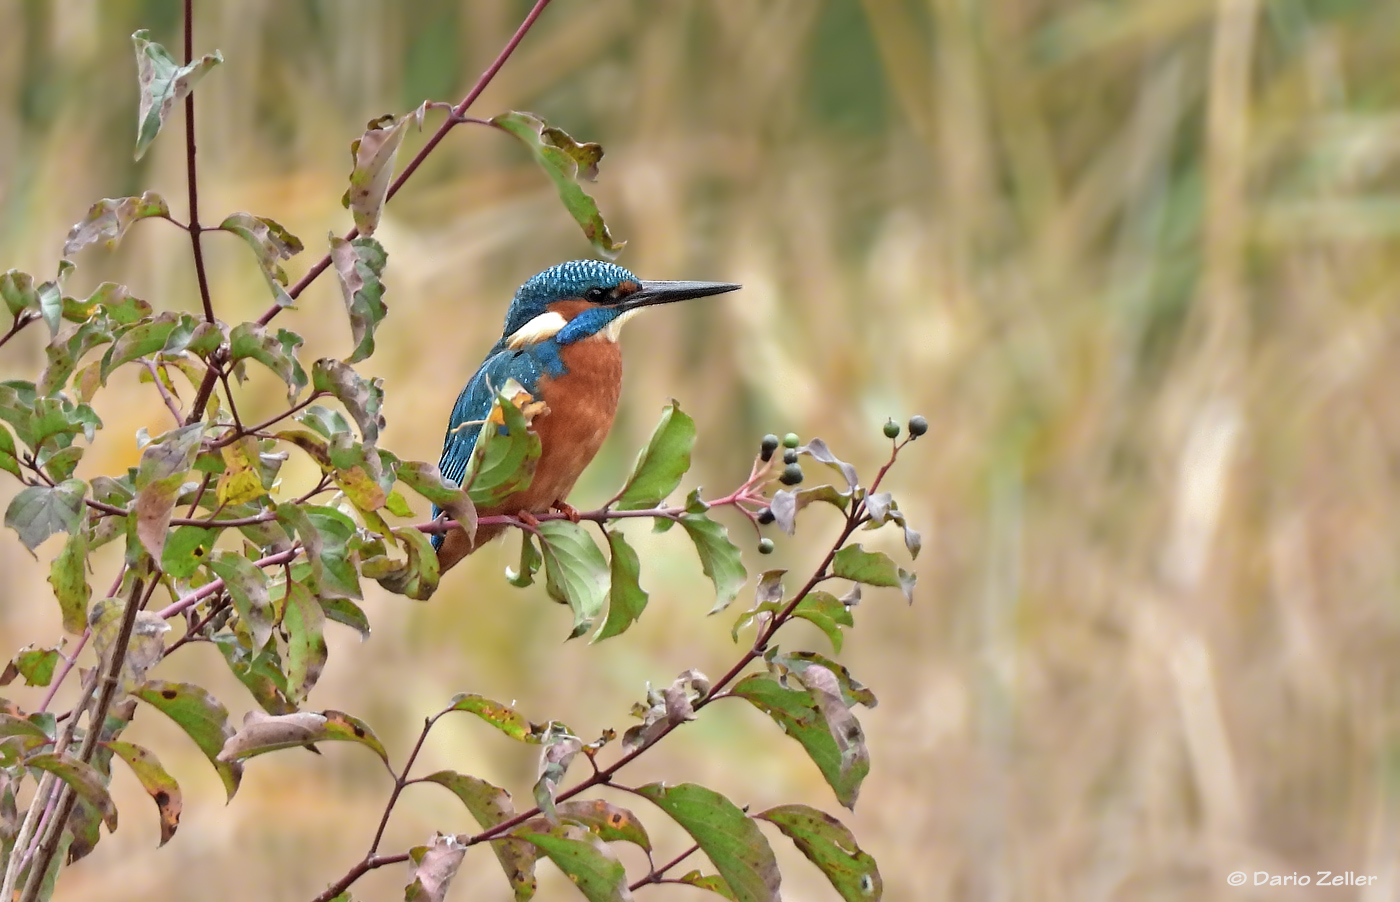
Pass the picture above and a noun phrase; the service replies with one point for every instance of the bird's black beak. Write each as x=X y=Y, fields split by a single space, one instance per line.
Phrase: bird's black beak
x=652 y=293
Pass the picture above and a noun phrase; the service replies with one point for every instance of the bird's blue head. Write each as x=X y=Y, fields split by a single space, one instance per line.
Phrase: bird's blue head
x=575 y=300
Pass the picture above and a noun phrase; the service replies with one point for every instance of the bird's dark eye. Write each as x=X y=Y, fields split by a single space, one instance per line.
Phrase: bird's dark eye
x=596 y=295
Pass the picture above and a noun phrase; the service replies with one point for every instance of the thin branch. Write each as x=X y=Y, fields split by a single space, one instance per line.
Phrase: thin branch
x=203 y=592
x=232 y=408
x=401 y=780
x=238 y=433
x=22 y=320
x=48 y=846
x=164 y=392
x=456 y=118
x=191 y=176
x=657 y=873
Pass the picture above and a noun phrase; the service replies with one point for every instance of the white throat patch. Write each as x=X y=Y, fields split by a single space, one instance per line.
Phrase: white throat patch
x=546 y=325
x=614 y=329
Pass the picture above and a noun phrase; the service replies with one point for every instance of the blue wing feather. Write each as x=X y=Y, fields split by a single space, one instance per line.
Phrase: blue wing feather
x=525 y=366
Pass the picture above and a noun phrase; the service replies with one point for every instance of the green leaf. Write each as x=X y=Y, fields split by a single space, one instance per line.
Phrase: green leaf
x=506 y=451
x=662 y=463
x=490 y=805
x=874 y=568
x=502 y=717
x=830 y=846
x=626 y=598
x=363 y=398
x=304 y=622
x=260 y=673
x=271 y=244
x=276 y=352
x=84 y=779
x=247 y=586
x=157 y=782
x=18 y=292
x=565 y=161
x=203 y=718
x=373 y=154
x=109 y=218
x=330 y=532
x=185 y=549
x=169 y=330
x=359 y=265
x=68 y=576
x=712 y=882
x=729 y=837
x=39 y=511
x=575 y=571
x=36 y=665
x=426 y=479
x=434 y=867
x=800 y=716
x=585 y=859
x=60 y=464
x=828 y=613
x=262 y=733
x=31 y=735
x=529 y=563
x=345 y=611
x=719 y=557
x=9 y=459
x=163 y=83
x=417 y=577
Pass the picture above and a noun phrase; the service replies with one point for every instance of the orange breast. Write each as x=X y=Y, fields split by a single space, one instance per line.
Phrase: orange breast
x=582 y=404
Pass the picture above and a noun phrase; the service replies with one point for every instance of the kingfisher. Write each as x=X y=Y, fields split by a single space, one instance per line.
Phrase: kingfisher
x=560 y=343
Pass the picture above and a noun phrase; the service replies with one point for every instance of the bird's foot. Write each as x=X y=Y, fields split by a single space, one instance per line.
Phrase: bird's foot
x=567 y=510
x=528 y=519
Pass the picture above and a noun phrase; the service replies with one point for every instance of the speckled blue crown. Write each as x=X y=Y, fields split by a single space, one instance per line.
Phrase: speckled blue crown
x=564 y=280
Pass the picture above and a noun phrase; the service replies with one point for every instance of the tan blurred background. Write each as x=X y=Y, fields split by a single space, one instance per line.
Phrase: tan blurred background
x=1135 y=261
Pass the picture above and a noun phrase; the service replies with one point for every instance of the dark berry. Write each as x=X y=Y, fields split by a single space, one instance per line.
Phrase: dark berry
x=770 y=444
x=790 y=456
x=891 y=429
x=792 y=475
x=765 y=516
x=791 y=440
x=765 y=545
x=917 y=426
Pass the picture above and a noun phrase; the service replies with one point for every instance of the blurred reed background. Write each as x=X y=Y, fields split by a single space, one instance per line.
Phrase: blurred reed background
x=1137 y=262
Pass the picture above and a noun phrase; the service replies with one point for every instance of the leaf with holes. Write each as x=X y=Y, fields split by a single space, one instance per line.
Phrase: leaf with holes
x=157 y=782
x=565 y=161
x=109 y=218
x=163 y=84
x=726 y=834
x=359 y=265
x=661 y=464
x=271 y=244
x=719 y=557
x=575 y=571
x=203 y=718
x=830 y=846
x=373 y=154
